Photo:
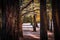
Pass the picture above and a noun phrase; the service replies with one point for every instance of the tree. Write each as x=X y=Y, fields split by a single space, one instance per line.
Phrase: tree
x=49 y=15
x=43 y=17
x=0 y=18
x=55 y=16
x=19 y=19
x=34 y=21
x=8 y=20
x=3 y=31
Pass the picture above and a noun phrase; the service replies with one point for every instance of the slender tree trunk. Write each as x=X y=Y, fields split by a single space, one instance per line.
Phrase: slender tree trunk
x=47 y=22
x=34 y=18
x=43 y=24
x=56 y=20
x=34 y=26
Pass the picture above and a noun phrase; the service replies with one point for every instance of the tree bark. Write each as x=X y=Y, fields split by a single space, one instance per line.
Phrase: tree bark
x=0 y=17
x=56 y=19
x=3 y=31
x=8 y=20
x=19 y=19
x=43 y=22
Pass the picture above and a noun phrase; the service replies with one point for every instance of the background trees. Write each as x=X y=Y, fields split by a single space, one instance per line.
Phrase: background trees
x=15 y=12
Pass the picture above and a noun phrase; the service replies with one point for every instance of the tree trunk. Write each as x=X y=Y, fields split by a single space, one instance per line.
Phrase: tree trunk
x=3 y=31
x=34 y=18
x=8 y=20
x=43 y=24
x=56 y=19
x=19 y=19
x=34 y=25
x=47 y=22
x=0 y=17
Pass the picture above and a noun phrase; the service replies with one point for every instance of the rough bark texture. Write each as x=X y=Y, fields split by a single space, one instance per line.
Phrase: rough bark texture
x=9 y=18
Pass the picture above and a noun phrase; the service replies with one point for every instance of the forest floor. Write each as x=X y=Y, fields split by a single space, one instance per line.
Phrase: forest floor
x=30 y=35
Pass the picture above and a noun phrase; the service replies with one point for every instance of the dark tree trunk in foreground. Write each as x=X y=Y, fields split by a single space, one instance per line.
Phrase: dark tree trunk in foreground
x=19 y=19
x=3 y=31
x=43 y=24
x=0 y=17
x=8 y=20
x=56 y=18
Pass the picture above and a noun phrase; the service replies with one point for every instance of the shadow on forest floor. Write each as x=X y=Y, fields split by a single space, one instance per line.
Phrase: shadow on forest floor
x=30 y=35
x=30 y=38
x=37 y=37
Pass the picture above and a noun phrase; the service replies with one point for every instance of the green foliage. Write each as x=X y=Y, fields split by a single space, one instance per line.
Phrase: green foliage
x=27 y=19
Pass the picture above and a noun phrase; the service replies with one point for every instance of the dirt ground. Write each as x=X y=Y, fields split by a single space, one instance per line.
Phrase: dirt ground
x=30 y=35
